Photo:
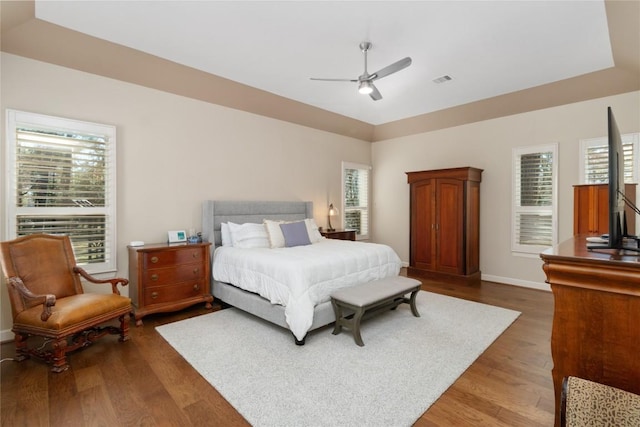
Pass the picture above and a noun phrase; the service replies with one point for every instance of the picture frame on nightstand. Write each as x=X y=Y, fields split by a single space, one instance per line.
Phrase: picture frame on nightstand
x=178 y=236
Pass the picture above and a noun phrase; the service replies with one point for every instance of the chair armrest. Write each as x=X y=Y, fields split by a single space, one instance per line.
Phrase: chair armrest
x=47 y=300
x=114 y=282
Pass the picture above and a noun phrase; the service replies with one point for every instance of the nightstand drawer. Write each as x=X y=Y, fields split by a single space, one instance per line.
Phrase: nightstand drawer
x=339 y=234
x=179 y=273
x=159 y=259
x=174 y=292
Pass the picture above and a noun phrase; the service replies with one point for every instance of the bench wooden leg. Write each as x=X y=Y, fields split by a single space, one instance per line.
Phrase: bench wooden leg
x=357 y=317
x=412 y=303
x=337 y=310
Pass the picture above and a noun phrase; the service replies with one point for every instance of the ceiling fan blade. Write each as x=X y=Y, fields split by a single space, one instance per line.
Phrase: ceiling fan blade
x=390 y=69
x=375 y=95
x=334 y=80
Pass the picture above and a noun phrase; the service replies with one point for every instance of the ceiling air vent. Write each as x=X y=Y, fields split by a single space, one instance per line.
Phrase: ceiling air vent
x=442 y=79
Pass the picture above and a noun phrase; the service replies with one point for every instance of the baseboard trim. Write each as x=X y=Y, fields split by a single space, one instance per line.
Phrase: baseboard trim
x=517 y=282
x=6 y=335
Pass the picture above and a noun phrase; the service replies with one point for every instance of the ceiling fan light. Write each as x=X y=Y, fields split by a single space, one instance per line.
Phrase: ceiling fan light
x=365 y=87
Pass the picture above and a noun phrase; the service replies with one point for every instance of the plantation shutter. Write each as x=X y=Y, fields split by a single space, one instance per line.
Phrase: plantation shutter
x=534 y=200
x=63 y=184
x=356 y=198
x=596 y=162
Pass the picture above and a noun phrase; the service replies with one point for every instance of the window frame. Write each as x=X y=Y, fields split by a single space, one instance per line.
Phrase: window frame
x=517 y=152
x=16 y=119
x=367 y=208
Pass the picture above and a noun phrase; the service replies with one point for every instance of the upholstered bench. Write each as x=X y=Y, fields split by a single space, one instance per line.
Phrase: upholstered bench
x=365 y=300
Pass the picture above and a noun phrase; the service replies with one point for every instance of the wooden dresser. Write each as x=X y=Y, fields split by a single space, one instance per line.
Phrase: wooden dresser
x=168 y=277
x=445 y=224
x=596 y=320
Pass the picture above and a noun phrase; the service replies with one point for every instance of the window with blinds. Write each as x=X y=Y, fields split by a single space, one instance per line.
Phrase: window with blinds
x=62 y=181
x=534 y=198
x=594 y=155
x=355 y=185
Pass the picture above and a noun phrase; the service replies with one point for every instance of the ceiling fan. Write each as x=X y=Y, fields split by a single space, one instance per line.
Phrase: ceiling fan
x=365 y=81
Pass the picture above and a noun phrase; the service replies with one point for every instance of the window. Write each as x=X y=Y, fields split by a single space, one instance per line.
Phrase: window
x=534 y=224
x=355 y=198
x=594 y=153
x=61 y=180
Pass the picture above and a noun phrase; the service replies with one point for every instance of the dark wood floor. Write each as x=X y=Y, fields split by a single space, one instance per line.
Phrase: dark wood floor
x=144 y=382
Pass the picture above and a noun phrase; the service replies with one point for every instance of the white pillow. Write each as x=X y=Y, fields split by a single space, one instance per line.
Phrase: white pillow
x=249 y=235
x=312 y=230
x=276 y=238
x=274 y=233
x=225 y=234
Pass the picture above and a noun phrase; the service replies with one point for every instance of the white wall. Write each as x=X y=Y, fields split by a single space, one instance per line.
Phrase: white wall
x=174 y=152
x=488 y=145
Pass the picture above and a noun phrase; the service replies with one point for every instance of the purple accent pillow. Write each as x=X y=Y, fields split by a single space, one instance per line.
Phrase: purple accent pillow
x=295 y=234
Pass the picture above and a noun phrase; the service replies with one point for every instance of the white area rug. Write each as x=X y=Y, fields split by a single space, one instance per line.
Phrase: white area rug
x=405 y=365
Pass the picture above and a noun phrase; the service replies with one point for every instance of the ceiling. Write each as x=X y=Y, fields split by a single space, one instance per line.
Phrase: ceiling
x=488 y=48
x=504 y=57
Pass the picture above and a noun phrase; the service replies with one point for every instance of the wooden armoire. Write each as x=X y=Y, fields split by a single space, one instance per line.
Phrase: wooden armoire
x=591 y=209
x=445 y=224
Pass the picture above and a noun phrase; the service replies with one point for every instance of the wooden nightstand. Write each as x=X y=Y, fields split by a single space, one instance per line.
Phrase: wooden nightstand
x=339 y=234
x=164 y=277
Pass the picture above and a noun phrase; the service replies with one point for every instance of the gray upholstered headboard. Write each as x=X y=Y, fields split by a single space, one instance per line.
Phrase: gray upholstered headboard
x=215 y=212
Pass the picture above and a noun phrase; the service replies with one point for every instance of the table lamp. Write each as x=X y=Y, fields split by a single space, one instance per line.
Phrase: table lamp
x=332 y=212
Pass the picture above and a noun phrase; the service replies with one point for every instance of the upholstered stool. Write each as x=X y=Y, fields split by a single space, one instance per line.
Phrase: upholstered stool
x=589 y=404
x=371 y=298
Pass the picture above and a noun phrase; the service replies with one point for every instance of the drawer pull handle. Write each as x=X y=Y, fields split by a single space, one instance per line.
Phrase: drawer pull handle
x=196 y=287
x=154 y=295
x=154 y=259
x=154 y=277
x=194 y=254
x=196 y=270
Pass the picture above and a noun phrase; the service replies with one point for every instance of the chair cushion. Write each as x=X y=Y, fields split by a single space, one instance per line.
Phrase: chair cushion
x=75 y=311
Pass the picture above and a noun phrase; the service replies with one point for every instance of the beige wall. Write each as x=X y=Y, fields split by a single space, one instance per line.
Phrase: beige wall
x=174 y=152
x=488 y=145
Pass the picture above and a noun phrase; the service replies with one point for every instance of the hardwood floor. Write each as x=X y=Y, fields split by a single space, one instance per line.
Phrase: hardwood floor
x=144 y=382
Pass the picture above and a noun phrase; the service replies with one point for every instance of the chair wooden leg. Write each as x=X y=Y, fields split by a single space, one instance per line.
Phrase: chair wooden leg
x=124 y=328
x=59 y=356
x=22 y=352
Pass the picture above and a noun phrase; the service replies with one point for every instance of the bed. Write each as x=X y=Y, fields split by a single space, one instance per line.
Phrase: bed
x=315 y=308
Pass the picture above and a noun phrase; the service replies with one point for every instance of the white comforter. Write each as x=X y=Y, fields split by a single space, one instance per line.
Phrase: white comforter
x=301 y=277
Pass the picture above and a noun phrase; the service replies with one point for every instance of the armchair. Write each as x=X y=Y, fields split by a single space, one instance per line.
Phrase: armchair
x=47 y=299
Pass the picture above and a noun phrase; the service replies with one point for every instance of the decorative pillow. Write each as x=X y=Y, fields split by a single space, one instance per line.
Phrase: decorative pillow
x=295 y=234
x=312 y=230
x=249 y=235
x=276 y=238
x=225 y=234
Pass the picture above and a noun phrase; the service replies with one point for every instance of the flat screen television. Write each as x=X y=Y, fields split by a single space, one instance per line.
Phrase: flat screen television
x=617 y=237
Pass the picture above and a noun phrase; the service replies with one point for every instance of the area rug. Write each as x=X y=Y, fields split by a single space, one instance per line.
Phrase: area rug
x=406 y=363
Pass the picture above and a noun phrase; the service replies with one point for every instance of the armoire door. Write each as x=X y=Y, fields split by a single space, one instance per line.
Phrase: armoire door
x=449 y=203
x=423 y=224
